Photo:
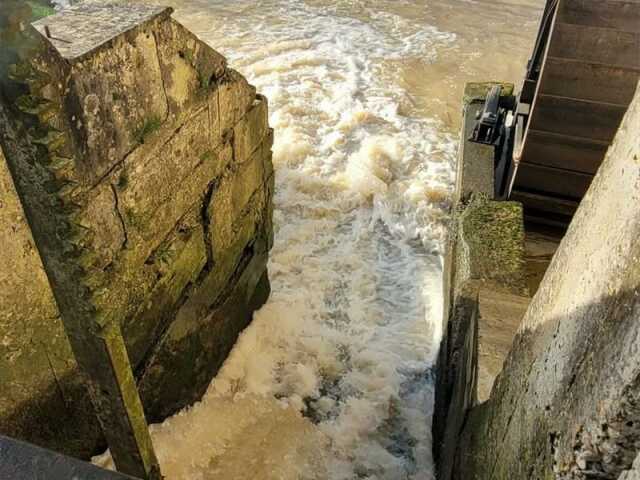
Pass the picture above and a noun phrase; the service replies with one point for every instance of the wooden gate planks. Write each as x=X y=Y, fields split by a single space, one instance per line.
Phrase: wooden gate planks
x=590 y=70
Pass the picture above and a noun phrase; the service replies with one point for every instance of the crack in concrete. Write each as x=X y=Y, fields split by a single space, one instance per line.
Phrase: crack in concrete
x=206 y=222
x=166 y=117
x=164 y=87
x=120 y=217
x=57 y=380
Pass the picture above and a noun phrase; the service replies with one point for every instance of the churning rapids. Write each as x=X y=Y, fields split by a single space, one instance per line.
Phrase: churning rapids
x=333 y=379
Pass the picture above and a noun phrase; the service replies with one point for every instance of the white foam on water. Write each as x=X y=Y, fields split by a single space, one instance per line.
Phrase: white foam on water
x=332 y=380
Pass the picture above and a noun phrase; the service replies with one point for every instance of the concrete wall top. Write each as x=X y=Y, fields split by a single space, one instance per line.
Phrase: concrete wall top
x=85 y=27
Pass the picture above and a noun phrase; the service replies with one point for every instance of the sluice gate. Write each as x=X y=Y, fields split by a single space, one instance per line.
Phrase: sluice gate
x=579 y=82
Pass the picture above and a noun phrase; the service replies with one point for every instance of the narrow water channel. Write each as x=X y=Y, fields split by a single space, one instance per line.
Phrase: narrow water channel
x=334 y=380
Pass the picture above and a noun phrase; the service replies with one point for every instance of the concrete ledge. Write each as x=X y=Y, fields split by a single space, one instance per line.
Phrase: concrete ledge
x=491 y=243
x=72 y=36
x=24 y=461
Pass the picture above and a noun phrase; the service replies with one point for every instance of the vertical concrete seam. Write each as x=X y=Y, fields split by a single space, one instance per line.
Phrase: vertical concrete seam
x=55 y=376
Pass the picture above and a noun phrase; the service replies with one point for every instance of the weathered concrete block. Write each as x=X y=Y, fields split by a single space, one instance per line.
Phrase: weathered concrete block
x=235 y=98
x=238 y=196
x=193 y=188
x=113 y=88
x=189 y=67
x=491 y=243
x=484 y=267
x=249 y=132
x=177 y=168
x=152 y=163
x=179 y=261
x=487 y=267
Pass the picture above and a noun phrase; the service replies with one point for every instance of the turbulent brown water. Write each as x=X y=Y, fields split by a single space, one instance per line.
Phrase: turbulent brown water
x=333 y=380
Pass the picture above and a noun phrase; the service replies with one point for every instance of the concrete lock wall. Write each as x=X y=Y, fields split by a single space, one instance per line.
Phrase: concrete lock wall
x=484 y=286
x=159 y=156
x=567 y=402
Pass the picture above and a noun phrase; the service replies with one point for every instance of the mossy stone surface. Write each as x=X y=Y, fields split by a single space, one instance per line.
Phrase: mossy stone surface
x=133 y=156
x=491 y=242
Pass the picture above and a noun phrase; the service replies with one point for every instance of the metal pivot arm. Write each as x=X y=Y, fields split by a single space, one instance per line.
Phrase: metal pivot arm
x=487 y=129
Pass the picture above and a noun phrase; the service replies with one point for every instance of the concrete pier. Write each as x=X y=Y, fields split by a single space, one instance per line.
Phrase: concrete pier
x=137 y=173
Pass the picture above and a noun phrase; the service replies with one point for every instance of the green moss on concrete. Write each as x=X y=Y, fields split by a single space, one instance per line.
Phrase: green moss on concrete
x=40 y=10
x=188 y=55
x=493 y=236
x=203 y=80
x=123 y=179
x=207 y=156
x=149 y=126
x=132 y=218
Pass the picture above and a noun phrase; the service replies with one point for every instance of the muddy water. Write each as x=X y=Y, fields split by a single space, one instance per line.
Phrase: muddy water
x=333 y=380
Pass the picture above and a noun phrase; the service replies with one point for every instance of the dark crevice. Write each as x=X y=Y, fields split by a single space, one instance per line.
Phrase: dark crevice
x=206 y=223
x=120 y=217
x=188 y=291
x=576 y=370
x=553 y=441
x=57 y=380
x=245 y=257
